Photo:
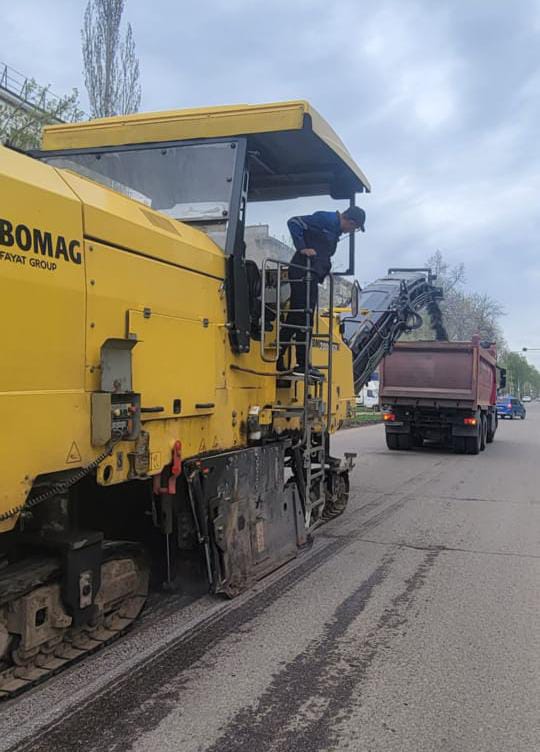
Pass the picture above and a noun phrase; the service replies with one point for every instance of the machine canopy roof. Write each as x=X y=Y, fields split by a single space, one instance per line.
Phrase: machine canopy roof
x=293 y=151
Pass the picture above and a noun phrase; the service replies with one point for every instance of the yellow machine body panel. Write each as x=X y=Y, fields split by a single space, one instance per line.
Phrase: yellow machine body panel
x=342 y=387
x=61 y=310
x=41 y=219
x=157 y=334
x=42 y=279
x=131 y=226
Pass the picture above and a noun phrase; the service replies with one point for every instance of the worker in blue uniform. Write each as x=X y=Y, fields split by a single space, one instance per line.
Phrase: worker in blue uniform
x=315 y=237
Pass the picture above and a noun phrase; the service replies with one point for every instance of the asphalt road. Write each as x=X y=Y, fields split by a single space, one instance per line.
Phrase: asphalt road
x=412 y=624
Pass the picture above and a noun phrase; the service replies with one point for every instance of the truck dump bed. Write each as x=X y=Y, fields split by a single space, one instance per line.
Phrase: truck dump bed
x=460 y=374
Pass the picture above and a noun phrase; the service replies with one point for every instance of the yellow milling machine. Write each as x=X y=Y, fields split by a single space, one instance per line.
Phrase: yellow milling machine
x=145 y=431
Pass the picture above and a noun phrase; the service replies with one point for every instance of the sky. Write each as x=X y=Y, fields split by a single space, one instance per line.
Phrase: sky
x=439 y=103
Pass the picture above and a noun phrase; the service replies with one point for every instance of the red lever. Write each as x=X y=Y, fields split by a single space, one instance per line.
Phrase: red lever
x=176 y=470
x=176 y=467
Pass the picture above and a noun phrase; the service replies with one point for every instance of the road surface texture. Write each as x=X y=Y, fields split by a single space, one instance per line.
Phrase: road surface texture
x=412 y=624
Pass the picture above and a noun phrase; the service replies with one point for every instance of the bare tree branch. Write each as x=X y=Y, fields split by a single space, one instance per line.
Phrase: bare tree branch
x=464 y=313
x=130 y=92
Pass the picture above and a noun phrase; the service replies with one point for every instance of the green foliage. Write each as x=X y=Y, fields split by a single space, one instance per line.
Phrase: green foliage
x=364 y=417
x=22 y=125
x=522 y=378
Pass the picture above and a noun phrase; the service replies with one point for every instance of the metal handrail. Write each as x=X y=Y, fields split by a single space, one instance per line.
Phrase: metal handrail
x=330 y=351
x=21 y=91
x=279 y=265
x=20 y=86
x=271 y=264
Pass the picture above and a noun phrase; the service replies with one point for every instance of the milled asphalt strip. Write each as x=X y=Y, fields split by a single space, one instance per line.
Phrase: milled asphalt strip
x=439 y=548
x=480 y=499
x=308 y=675
x=113 y=665
x=328 y=674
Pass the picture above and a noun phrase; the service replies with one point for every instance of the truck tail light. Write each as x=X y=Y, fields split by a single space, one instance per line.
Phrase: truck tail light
x=470 y=421
x=389 y=417
x=509 y=406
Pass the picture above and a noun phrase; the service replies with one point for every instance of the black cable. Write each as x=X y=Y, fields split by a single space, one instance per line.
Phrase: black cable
x=234 y=367
x=61 y=486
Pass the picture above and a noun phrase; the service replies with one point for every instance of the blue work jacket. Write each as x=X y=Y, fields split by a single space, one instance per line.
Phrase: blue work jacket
x=320 y=231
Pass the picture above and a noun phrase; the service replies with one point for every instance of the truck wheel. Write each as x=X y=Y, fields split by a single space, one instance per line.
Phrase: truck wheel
x=473 y=443
x=404 y=440
x=417 y=440
x=458 y=444
x=492 y=427
x=483 y=433
x=392 y=440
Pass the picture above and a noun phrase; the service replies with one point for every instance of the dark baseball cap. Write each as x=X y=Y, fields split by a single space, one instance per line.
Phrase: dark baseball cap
x=357 y=215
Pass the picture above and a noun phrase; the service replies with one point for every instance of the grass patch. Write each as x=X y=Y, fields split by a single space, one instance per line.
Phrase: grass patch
x=365 y=417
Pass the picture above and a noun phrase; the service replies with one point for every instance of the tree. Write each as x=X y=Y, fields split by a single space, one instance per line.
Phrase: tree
x=21 y=125
x=111 y=67
x=449 y=277
x=521 y=377
x=464 y=313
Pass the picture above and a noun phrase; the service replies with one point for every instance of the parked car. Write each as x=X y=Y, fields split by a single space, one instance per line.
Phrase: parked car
x=510 y=407
x=369 y=395
x=527 y=398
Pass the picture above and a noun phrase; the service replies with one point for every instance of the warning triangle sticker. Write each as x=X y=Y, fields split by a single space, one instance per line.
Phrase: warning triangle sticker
x=73 y=455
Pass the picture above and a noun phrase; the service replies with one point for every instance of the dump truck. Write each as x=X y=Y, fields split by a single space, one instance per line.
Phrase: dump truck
x=147 y=435
x=444 y=392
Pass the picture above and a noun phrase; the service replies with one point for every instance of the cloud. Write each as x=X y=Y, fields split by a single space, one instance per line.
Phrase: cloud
x=419 y=78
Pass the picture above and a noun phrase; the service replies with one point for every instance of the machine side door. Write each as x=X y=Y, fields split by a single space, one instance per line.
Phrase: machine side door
x=170 y=384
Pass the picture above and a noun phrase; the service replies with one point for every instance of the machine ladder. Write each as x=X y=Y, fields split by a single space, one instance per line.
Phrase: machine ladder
x=310 y=451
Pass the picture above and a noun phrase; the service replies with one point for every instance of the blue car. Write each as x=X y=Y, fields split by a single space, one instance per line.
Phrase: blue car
x=510 y=407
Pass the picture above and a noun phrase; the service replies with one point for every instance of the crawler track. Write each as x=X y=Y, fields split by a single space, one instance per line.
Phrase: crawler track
x=124 y=562
x=121 y=598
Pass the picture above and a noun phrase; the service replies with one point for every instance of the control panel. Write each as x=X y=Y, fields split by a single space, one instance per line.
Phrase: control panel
x=125 y=415
x=115 y=416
